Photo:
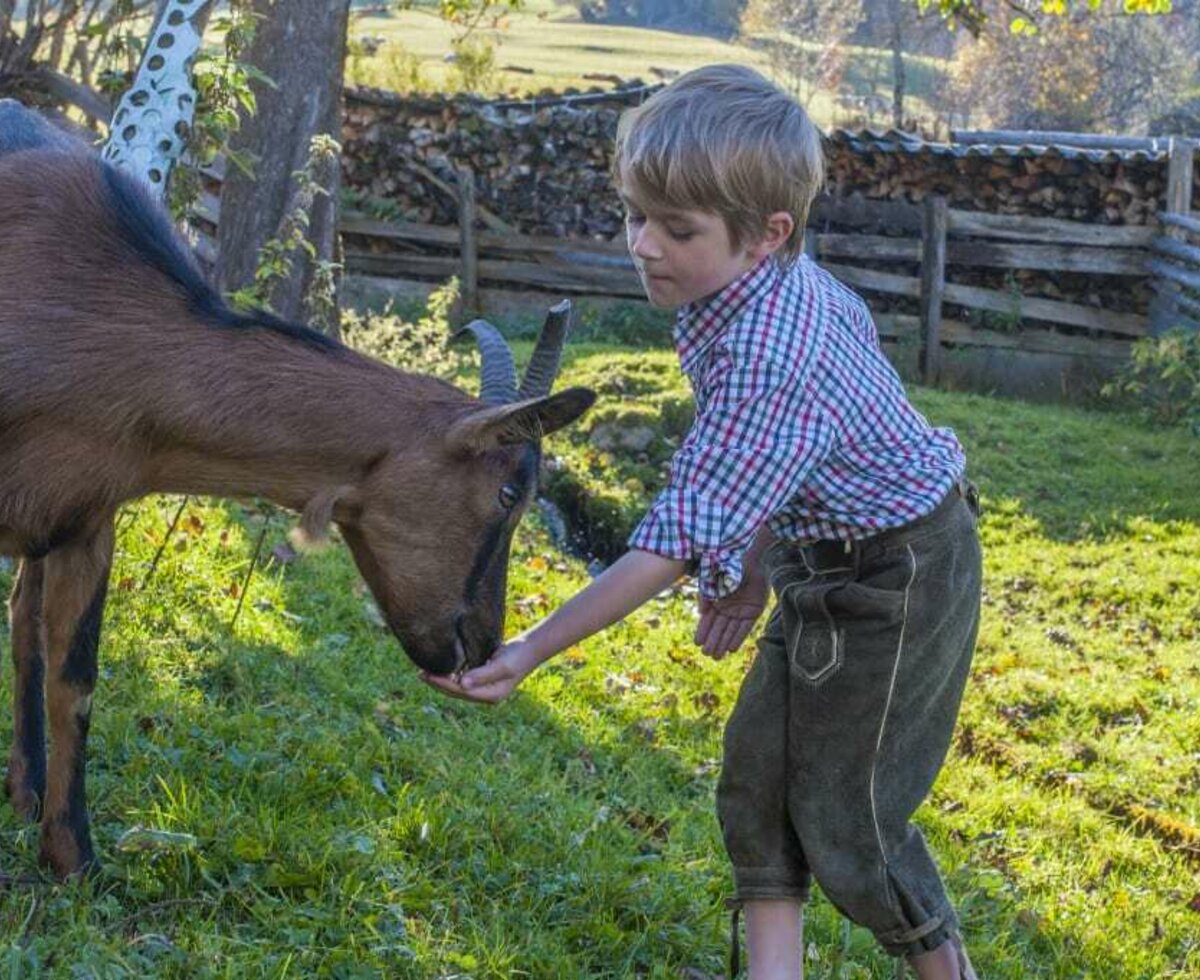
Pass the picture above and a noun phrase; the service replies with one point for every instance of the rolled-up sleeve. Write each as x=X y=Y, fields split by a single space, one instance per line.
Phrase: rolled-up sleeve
x=756 y=437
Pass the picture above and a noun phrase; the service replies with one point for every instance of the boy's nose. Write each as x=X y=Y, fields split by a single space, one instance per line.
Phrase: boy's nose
x=643 y=245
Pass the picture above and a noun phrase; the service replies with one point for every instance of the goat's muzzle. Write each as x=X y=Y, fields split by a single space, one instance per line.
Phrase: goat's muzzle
x=476 y=642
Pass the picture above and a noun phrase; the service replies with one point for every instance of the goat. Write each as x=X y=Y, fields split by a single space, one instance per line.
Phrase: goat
x=122 y=373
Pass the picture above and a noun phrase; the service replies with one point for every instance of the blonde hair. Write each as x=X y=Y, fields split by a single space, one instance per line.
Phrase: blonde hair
x=724 y=139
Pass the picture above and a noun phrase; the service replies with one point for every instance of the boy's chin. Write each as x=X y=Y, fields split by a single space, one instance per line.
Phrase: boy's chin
x=662 y=304
x=662 y=297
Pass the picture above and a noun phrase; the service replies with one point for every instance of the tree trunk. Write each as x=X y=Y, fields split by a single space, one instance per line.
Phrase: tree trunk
x=301 y=45
x=898 y=77
x=7 y=37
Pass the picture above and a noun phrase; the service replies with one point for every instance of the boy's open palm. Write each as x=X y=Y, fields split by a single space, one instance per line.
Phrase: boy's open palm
x=491 y=682
x=725 y=623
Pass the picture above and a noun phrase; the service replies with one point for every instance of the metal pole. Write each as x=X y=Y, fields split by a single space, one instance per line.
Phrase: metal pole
x=153 y=118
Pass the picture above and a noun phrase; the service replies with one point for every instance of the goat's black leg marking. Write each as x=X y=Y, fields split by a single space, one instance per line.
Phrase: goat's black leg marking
x=26 y=780
x=75 y=587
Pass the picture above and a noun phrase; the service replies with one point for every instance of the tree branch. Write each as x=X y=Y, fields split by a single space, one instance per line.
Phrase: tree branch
x=59 y=86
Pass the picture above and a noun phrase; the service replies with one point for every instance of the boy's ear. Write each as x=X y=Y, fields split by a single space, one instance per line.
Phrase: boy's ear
x=780 y=225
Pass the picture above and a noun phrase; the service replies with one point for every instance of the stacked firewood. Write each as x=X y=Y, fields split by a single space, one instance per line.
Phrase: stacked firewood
x=538 y=169
x=542 y=166
x=1050 y=185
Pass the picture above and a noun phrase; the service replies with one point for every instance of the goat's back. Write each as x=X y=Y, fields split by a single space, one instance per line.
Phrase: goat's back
x=69 y=288
x=25 y=129
x=94 y=278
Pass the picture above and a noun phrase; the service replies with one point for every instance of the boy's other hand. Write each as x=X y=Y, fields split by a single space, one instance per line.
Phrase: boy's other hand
x=491 y=682
x=725 y=623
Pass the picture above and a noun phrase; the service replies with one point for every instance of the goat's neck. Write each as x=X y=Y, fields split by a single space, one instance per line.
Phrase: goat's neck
x=286 y=430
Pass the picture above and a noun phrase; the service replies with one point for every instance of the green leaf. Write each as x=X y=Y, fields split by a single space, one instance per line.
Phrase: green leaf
x=249 y=848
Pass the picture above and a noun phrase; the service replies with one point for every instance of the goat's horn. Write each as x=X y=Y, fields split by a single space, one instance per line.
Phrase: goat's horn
x=547 y=355
x=498 y=374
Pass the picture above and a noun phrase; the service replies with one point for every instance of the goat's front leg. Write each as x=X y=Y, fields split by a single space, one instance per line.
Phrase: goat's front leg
x=76 y=582
x=26 y=780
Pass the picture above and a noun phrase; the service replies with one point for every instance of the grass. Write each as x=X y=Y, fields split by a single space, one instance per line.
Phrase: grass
x=345 y=821
x=550 y=39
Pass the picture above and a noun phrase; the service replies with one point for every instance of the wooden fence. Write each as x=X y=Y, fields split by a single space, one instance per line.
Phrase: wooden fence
x=930 y=238
x=1175 y=261
x=940 y=238
x=863 y=243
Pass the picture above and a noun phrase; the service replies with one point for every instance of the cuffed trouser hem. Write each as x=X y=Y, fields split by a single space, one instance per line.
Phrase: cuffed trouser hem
x=767 y=884
x=759 y=885
x=928 y=936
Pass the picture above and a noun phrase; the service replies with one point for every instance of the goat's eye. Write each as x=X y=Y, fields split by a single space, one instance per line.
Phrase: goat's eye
x=509 y=495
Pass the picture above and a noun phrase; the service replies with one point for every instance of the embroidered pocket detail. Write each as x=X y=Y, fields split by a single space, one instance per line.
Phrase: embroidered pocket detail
x=815 y=643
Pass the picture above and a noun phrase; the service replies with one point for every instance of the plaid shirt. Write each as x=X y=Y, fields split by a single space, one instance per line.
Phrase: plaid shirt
x=801 y=424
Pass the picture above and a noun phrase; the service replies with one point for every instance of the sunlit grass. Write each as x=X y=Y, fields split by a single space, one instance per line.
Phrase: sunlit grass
x=349 y=822
x=561 y=50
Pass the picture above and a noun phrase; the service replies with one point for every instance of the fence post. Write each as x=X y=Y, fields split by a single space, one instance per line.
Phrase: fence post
x=1180 y=170
x=808 y=244
x=933 y=285
x=468 y=246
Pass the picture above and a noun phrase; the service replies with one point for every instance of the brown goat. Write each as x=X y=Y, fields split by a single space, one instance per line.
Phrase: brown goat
x=122 y=373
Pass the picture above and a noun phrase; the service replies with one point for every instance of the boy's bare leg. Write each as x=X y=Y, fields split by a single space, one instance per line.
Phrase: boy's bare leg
x=775 y=939
x=948 y=962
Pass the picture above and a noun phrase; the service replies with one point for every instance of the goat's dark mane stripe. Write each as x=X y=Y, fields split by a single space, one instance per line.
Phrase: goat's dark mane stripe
x=499 y=533
x=147 y=231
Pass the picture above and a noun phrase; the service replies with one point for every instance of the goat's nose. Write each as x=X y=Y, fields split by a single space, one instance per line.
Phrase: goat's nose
x=461 y=657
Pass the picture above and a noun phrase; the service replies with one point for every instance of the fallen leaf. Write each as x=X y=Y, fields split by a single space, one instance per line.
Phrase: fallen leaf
x=146 y=839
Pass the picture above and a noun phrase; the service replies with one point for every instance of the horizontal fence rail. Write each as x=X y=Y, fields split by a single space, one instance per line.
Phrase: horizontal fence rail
x=852 y=238
x=1176 y=263
x=1175 y=260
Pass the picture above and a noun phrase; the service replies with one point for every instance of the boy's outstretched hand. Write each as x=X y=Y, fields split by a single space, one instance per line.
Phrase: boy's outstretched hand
x=627 y=583
x=491 y=682
x=725 y=623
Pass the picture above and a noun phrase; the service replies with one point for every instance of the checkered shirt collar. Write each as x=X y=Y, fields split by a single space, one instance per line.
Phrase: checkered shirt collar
x=699 y=324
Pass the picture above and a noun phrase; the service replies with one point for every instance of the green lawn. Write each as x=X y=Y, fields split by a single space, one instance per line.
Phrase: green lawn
x=349 y=822
x=550 y=39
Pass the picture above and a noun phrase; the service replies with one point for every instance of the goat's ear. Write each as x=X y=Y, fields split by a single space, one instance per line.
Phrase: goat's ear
x=525 y=421
x=558 y=411
x=313 y=529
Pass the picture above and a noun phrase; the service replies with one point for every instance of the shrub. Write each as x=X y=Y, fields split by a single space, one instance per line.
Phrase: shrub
x=412 y=345
x=474 y=65
x=393 y=67
x=629 y=324
x=1162 y=379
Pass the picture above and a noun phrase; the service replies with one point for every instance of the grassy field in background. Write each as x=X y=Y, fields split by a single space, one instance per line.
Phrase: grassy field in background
x=349 y=822
x=550 y=39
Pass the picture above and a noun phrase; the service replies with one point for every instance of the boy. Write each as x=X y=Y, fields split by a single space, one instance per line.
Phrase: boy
x=805 y=469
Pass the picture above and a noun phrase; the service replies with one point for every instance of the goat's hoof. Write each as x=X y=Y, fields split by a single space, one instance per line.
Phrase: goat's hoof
x=25 y=799
x=68 y=855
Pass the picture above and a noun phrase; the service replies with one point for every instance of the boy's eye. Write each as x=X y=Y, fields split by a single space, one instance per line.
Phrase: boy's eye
x=633 y=218
x=680 y=236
